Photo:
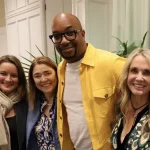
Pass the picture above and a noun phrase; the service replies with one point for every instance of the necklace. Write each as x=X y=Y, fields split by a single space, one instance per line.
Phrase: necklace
x=135 y=109
x=48 y=104
x=44 y=99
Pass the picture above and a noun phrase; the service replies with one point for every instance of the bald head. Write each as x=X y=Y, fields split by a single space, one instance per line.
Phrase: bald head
x=65 y=17
x=67 y=29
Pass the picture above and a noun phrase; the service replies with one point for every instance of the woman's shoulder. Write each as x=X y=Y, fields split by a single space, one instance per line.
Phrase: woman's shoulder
x=115 y=131
x=22 y=103
x=137 y=138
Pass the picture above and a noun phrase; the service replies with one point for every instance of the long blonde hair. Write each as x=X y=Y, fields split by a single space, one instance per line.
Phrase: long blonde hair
x=125 y=91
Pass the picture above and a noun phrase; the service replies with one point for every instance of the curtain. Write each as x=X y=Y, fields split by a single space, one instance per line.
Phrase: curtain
x=130 y=21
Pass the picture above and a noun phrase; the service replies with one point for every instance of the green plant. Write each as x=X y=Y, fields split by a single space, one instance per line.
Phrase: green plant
x=125 y=50
x=57 y=59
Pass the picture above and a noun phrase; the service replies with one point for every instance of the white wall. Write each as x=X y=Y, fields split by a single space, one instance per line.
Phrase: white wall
x=3 y=41
x=3 y=38
x=25 y=27
x=53 y=7
x=102 y=19
x=96 y=16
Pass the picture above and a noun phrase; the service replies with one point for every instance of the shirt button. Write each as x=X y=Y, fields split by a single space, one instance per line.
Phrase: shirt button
x=62 y=83
x=60 y=135
x=106 y=95
x=60 y=117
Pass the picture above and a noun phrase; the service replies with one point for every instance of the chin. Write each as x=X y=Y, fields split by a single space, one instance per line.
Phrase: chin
x=139 y=93
x=48 y=91
x=6 y=92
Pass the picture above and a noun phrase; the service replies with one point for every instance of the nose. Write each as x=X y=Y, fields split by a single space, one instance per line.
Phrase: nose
x=43 y=78
x=139 y=77
x=64 y=40
x=8 y=78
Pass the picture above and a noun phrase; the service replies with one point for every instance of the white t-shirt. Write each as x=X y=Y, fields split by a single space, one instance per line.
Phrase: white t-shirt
x=72 y=100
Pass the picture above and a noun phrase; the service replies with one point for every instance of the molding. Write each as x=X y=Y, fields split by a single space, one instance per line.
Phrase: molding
x=20 y=6
x=22 y=12
x=35 y=1
x=24 y=7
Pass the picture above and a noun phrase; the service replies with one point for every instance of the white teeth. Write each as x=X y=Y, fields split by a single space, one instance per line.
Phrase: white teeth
x=46 y=85
x=138 y=85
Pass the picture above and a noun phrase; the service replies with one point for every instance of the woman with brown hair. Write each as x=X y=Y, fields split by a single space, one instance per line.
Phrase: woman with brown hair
x=13 y=104
x=41 y=120
x=132 y=130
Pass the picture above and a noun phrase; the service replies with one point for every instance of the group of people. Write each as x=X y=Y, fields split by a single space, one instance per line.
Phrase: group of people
x=94 y=100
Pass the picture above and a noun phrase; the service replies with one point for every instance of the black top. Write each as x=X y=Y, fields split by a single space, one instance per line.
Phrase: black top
x=13 y=132
x=121 y=146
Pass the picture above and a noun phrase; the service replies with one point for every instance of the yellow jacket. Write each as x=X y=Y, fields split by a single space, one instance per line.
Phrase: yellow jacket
x=99 y=73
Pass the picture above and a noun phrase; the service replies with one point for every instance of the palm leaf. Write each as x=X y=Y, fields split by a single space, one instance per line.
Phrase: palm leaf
x=26 y=71
x=58 y=58
x=143 y=39
x=30 y=54
x=39 y=51
x=26 y=59
x=125 y=50
x=25 y=64
x=117 y=39
x=124 y=44
x=25 y=68
x=131 y=47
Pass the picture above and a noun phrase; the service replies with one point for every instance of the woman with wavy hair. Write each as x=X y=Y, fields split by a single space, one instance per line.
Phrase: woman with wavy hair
x=13 y=104
x=132 y=130
x=41 y=120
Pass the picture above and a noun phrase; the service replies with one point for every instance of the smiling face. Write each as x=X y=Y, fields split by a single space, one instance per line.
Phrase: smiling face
x=8 y=78
x=73 y=50
x=45 y=78
x=139 y=76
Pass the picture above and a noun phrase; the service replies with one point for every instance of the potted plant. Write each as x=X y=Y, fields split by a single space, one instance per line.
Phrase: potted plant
x=126 y=49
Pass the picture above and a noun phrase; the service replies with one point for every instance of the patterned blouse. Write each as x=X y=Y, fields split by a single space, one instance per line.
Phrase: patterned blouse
x=44 y=129
x=134 y=140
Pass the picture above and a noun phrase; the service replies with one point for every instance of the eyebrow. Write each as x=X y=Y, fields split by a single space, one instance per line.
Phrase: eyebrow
x=143 y=69
x=37 y=73
x=67 y=28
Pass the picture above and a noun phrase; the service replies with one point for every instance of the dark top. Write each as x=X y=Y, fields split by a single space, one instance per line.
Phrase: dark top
x=121 y=146
x=13 y=132
x=135 y=139
x=32 y=119
x=17 y=126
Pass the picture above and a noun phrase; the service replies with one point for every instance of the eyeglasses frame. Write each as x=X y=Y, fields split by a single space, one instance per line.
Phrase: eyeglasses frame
x=63 y=34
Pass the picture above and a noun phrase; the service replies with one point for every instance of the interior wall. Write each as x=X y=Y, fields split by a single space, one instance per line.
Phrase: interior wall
x=3 y=38
x=2 y=14
x=3 y=41
x=52 y=9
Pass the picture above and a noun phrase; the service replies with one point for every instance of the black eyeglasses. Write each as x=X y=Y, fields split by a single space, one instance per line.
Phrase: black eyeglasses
x=69 y=35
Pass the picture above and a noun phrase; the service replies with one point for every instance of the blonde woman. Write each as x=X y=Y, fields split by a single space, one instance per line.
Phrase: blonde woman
x=132 y=130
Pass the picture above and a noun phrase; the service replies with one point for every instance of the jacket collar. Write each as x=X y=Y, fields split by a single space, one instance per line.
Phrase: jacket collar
x=88 y=59
x=32 y=118
x=21 y=116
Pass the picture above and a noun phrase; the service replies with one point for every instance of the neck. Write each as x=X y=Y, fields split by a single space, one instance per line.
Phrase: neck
x=137 y=104
x=138 y=101
x=49 y=98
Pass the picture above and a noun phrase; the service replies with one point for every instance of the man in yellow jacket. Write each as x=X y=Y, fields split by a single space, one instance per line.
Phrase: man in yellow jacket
x=87 y=89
